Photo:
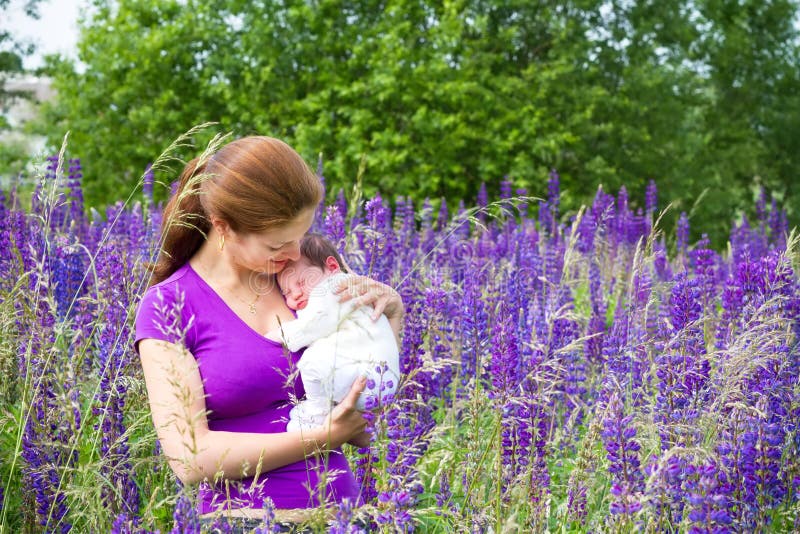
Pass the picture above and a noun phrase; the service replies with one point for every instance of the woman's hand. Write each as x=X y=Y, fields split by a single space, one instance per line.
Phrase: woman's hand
x=383 y=298
x=362 y=440
x=347 y=423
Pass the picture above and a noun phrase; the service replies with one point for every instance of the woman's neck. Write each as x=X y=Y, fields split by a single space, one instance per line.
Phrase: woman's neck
x=217 y=269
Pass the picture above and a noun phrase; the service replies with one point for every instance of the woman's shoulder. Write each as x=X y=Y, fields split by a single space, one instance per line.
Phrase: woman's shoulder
x=167 y=307
x=181 y=279
x=178 y=289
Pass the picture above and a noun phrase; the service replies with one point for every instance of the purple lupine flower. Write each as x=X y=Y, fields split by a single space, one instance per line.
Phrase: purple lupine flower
x=622 y=215
x=661 y=262
x=268 y=524
x=522 y=279
x=636 y=228
x=6 y=241
x=483 y=197
x=334 y=227
x=222 y=525
x=43 y=462
x=554 y=193
x=532 y=435
x=341 y=203
x=761 y=206
x=506 y=186
x=378 y=248
x=321 y=207
x=666 y=476
x=750 y=452
x=707 y=501
x=597 y=320
x=113 y=342
x=603 y=209
x=682 y=368
x=747 y=241
x=185 y=517
x=408 y=423
x=682 y=233
x=587 y=228
x=443 y=217
x=68 y=276
x=52 y=422
x=404 y=213
x=436 y=325
x=444 y=494
x=523 y=206
x=148 y=179
x=778 y=226
x=616 y=345
x=366 y=462
x=548 y=209
x=732 y=302
x=703 y=263
x=343 y=523
x=576 y=503
x=761 y=450
x=623 y=455
x=75 y=193
x=406 y=235
x=462 y=230
x=396 y=504
x=651 y=198
x=123 y=524
x=505 y=356
x=473 y=320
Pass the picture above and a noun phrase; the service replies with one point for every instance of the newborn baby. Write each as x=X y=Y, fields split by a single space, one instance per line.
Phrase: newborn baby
x=342 y=340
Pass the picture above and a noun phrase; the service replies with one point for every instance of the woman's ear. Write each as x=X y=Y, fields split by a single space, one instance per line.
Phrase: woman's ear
x=222 y=227
x=331 y=264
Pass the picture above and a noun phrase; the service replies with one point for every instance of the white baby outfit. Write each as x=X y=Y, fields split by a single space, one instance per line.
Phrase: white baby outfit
x=343 y=343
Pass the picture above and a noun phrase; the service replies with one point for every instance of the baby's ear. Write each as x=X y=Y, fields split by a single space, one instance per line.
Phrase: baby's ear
x=331 y=264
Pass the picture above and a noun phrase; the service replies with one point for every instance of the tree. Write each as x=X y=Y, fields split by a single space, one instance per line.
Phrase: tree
x=12 y=51
x=438 y=97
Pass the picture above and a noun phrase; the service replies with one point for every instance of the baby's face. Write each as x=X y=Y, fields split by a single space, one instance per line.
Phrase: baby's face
x=296 y=281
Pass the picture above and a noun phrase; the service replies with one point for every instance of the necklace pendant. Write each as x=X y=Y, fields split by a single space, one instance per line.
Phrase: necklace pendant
x=253 y=308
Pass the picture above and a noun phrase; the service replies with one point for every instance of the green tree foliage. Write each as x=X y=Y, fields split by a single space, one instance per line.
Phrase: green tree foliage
x=440 y=96
x=11 y=52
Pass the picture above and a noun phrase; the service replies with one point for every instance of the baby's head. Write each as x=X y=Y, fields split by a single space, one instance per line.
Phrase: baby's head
x=318 y=260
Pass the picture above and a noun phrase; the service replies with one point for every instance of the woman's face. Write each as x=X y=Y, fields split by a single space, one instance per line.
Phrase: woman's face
x=268 y=252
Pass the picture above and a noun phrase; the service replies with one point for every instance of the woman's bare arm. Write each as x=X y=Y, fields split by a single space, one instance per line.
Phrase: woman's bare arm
x=196 y=453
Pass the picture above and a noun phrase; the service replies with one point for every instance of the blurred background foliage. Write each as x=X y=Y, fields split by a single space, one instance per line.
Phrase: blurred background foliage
x=703 y=96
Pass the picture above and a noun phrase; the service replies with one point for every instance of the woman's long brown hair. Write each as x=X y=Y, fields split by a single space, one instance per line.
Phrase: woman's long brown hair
x=254 y=184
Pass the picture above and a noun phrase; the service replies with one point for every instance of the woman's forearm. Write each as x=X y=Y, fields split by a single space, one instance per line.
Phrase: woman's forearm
x=219 y=455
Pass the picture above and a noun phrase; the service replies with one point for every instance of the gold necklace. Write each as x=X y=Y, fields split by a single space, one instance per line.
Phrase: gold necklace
x=251 y=306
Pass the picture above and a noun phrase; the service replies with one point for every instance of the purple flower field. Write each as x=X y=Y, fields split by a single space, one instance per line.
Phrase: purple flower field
x=578 y=372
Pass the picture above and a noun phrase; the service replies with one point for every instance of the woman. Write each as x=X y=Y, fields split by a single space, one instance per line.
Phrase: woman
x=219 y=391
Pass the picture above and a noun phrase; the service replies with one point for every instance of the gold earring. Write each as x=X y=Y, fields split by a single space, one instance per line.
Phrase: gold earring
x=221 y=242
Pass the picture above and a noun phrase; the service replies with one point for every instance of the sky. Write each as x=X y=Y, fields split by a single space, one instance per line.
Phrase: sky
x=56 y=30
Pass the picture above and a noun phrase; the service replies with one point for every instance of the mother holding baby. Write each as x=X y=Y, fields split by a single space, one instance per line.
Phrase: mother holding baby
x=219 y=391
